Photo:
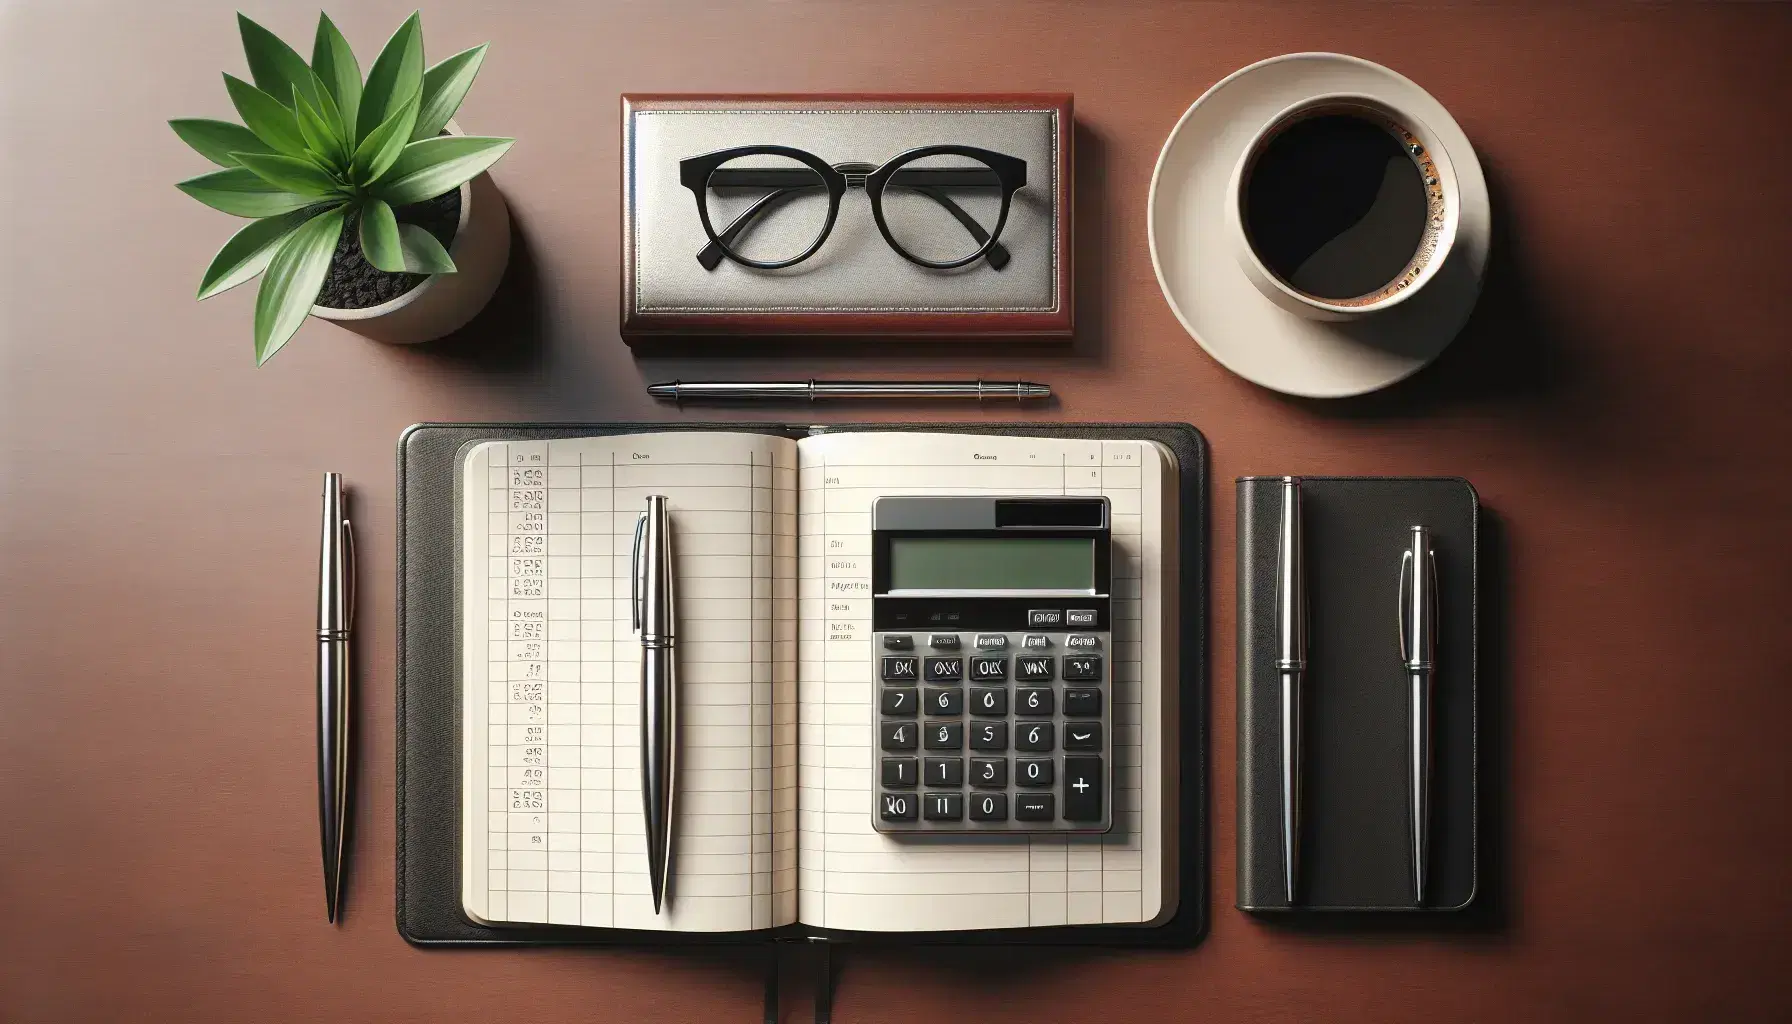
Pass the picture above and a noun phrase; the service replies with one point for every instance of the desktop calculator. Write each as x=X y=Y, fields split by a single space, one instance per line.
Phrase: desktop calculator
x=991 y=646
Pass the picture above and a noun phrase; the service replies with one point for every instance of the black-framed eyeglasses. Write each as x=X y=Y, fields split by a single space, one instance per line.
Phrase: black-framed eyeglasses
x=938 y=206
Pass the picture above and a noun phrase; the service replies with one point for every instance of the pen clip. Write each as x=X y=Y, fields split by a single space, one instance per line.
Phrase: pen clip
x=637 y=584
x=1407 y=626
x=348 y=567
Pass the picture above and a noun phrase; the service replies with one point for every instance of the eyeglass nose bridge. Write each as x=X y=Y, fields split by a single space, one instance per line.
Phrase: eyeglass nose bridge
x=855 y=172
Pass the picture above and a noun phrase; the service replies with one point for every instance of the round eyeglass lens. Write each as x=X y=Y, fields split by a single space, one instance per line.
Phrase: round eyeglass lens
x=765 y=207
x=943 y=207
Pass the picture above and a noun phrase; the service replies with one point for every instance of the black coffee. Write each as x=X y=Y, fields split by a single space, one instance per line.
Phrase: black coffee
x=1335 y=207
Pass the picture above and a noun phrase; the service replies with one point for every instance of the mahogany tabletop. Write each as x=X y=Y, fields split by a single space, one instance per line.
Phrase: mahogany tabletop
x=1618 y=399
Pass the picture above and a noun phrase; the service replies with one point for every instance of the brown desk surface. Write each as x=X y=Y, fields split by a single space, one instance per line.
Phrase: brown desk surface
x=1619 y=400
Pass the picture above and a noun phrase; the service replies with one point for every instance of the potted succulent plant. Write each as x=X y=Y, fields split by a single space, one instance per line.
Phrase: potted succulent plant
x=368 y=205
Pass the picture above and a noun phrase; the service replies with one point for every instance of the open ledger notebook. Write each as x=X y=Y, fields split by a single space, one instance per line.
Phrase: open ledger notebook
x=777 y=695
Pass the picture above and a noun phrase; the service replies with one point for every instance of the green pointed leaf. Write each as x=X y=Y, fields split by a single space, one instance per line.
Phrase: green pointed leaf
x=428 y=168
x=319 y=141
x=248 y=252
x=242 y=192
x=383 y=146
x=216 y=140
x=276 y=68
x=270 y=120
x=423 y=253
x=396 y=73
x=335 y=65
x=292 y=280
x=292 y=175
x=379 y=237
x=444 y=86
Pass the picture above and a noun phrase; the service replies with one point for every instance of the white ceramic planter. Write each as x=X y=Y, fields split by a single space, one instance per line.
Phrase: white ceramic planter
x=444 y=302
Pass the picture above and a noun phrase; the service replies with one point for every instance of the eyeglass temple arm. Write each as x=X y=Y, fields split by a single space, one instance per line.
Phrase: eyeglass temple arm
x=711 y=255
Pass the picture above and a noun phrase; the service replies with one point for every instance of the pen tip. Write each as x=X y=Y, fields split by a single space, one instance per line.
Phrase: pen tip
x=663 y=390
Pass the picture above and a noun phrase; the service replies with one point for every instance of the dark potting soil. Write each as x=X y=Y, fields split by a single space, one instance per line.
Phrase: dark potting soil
x=354 y=283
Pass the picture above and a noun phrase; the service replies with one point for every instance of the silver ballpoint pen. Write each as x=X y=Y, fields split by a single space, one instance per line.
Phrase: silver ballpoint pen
x=653 y=605
x=335 y=618
x=810 y=390
x=1291 y=665
x=1418 y=649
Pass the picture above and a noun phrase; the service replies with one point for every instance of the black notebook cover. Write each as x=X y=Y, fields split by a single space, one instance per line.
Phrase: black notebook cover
x=428 y=880
x=1355 y=851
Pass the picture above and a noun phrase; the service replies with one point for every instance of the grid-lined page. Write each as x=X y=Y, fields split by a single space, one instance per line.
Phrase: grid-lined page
x=551 y=701
x=850 y=875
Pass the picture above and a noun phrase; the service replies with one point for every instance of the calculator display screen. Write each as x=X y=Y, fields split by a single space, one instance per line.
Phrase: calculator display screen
x=992 y=563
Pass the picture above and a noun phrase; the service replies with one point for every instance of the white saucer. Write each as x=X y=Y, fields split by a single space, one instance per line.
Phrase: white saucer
x=1219 y=306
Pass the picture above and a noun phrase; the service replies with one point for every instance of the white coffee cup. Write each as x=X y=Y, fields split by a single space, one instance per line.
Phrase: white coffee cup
x=1443 y=209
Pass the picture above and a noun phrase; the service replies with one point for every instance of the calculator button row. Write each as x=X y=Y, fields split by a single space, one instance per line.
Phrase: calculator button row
x=1029 y=737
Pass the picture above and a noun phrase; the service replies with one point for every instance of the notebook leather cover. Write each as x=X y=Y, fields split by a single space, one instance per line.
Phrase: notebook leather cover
x=1355 y=832
x=428 y=805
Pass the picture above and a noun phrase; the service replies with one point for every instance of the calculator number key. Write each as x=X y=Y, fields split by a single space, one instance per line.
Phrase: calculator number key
x=988 y=669
x=989 y=807
x=899 y=772
x=1035 y=736
x=1084 y=703
x=989 y=700
x=943 y=806
x=941 y=736
x=898 y=735
x=945 y=670
x=989 y=771
x=989 y=736
x=1082 y=668
x=1033 y=771
x=901 y=669
x=900 y=700
x=947 y=701
x=896 y=807
x=944 y=771
x=1035 y=702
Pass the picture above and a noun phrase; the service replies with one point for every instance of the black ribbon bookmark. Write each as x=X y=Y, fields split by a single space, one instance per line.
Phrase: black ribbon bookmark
x=824 y=979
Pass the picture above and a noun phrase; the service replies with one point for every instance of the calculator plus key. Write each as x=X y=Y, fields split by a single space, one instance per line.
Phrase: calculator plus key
x=1082 y=788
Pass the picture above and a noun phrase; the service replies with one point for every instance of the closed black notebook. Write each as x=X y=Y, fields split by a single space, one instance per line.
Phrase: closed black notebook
x=1355 y=823
x=808 y=864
